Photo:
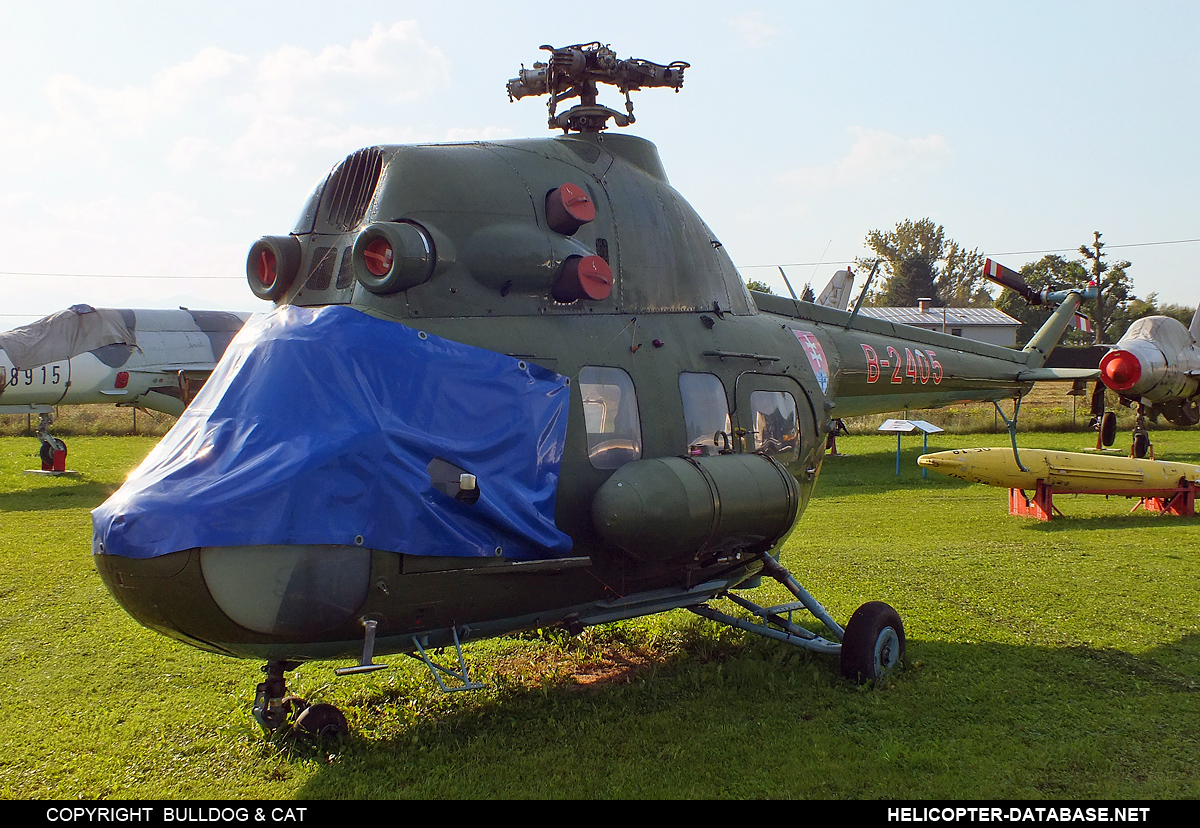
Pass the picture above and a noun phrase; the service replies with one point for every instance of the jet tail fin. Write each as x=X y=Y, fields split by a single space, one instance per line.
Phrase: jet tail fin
x=837 y=293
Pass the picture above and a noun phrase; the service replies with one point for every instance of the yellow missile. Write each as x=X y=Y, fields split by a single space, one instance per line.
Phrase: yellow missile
x=1062 y=470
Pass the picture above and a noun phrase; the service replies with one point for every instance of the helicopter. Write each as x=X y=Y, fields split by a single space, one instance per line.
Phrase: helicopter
x=508 y=385
x=154 y=359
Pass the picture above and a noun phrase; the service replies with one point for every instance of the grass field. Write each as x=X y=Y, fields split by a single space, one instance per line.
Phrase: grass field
x=1055 y=660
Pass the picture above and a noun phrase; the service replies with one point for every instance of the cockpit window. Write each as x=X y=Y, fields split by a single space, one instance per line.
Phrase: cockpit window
x=773 y=420
x=705 y=412
x=610 y=414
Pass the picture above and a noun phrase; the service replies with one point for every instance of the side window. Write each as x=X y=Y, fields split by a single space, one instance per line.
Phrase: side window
x=610 y=412
x=705 y=411
x=776 y=429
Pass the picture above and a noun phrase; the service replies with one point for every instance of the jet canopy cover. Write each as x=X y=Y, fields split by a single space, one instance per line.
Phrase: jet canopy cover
x=62 y=335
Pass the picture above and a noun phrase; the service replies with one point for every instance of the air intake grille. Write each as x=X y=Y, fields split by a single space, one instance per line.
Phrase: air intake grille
x=350 y=187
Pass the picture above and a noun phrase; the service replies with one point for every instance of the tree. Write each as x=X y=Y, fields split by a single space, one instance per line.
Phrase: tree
x=1181 y=312
x=961 y=283
x=761 y=287
x=919 y=262
x=1109 y=310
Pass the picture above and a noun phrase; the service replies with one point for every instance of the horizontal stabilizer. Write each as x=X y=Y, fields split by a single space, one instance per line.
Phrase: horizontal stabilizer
x=1058 y=374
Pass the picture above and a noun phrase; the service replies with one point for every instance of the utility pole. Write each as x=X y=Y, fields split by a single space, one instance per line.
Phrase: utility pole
x=1098 y=268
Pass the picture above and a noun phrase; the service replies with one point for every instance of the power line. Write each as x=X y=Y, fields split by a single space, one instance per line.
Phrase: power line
x=10 y=273
x=1006 y=253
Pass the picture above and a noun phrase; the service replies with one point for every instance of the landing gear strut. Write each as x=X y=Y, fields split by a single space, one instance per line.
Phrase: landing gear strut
x=1141 y=437
x=871 y=646
x=54 y=450
x=273 y=707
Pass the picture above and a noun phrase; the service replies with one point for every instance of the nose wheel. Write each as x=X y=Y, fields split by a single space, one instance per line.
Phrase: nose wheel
x=873 y=647
x=1141 y=437
x=274 y=708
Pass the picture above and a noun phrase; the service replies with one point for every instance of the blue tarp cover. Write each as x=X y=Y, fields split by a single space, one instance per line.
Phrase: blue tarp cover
x=318 y=425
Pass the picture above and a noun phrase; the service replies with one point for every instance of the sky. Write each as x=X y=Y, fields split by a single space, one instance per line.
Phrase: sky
x=144 y=146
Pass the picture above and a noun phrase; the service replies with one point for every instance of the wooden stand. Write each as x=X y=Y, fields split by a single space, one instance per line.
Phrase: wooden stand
x=1179 y=501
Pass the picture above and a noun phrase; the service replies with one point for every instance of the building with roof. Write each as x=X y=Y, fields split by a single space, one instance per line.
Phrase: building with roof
x=981 y=324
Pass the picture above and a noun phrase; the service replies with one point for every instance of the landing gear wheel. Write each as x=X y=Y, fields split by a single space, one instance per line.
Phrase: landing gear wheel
x=1141 y=444
x=1108 y=428
x=873 y=646
x=323 y=721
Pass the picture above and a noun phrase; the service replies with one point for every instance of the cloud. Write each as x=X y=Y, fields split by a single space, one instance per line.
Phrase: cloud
x=875 y=156
x=754 y=31
x=177 y=171
x=236 y=116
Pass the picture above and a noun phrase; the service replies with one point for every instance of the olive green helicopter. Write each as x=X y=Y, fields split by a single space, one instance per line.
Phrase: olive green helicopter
x=509 y=385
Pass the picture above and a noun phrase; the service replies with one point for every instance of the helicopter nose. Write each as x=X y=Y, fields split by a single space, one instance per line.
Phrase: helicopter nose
x=325 y=433
x=287 y=590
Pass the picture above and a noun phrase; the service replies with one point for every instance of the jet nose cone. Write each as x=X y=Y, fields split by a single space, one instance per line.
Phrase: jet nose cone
x=943 y=462
x=1120 y=370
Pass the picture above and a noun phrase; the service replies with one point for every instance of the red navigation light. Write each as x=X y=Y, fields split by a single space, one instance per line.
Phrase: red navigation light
x=122 y=379
x=378 y=257
x=267 y=267
x=1120 y=370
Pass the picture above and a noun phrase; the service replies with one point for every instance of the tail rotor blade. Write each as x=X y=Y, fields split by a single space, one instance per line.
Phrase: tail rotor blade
x=1012 y=280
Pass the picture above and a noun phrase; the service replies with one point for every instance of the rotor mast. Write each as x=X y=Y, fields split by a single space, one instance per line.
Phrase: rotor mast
x=575 y=72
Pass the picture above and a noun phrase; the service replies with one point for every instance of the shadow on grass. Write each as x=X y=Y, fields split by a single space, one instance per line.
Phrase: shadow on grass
x=964 y=720
x=69 y=494
x=1128 y=520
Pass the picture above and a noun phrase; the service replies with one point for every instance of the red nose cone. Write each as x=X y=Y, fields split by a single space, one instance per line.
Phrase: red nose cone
x=1120 y=370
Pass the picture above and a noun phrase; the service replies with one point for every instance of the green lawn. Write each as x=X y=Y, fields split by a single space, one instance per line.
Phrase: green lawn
x=1045 y=660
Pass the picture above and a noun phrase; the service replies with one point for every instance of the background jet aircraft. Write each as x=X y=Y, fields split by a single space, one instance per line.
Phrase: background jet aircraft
x=837 y=293
x=156 y=359
x=1156 y=366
